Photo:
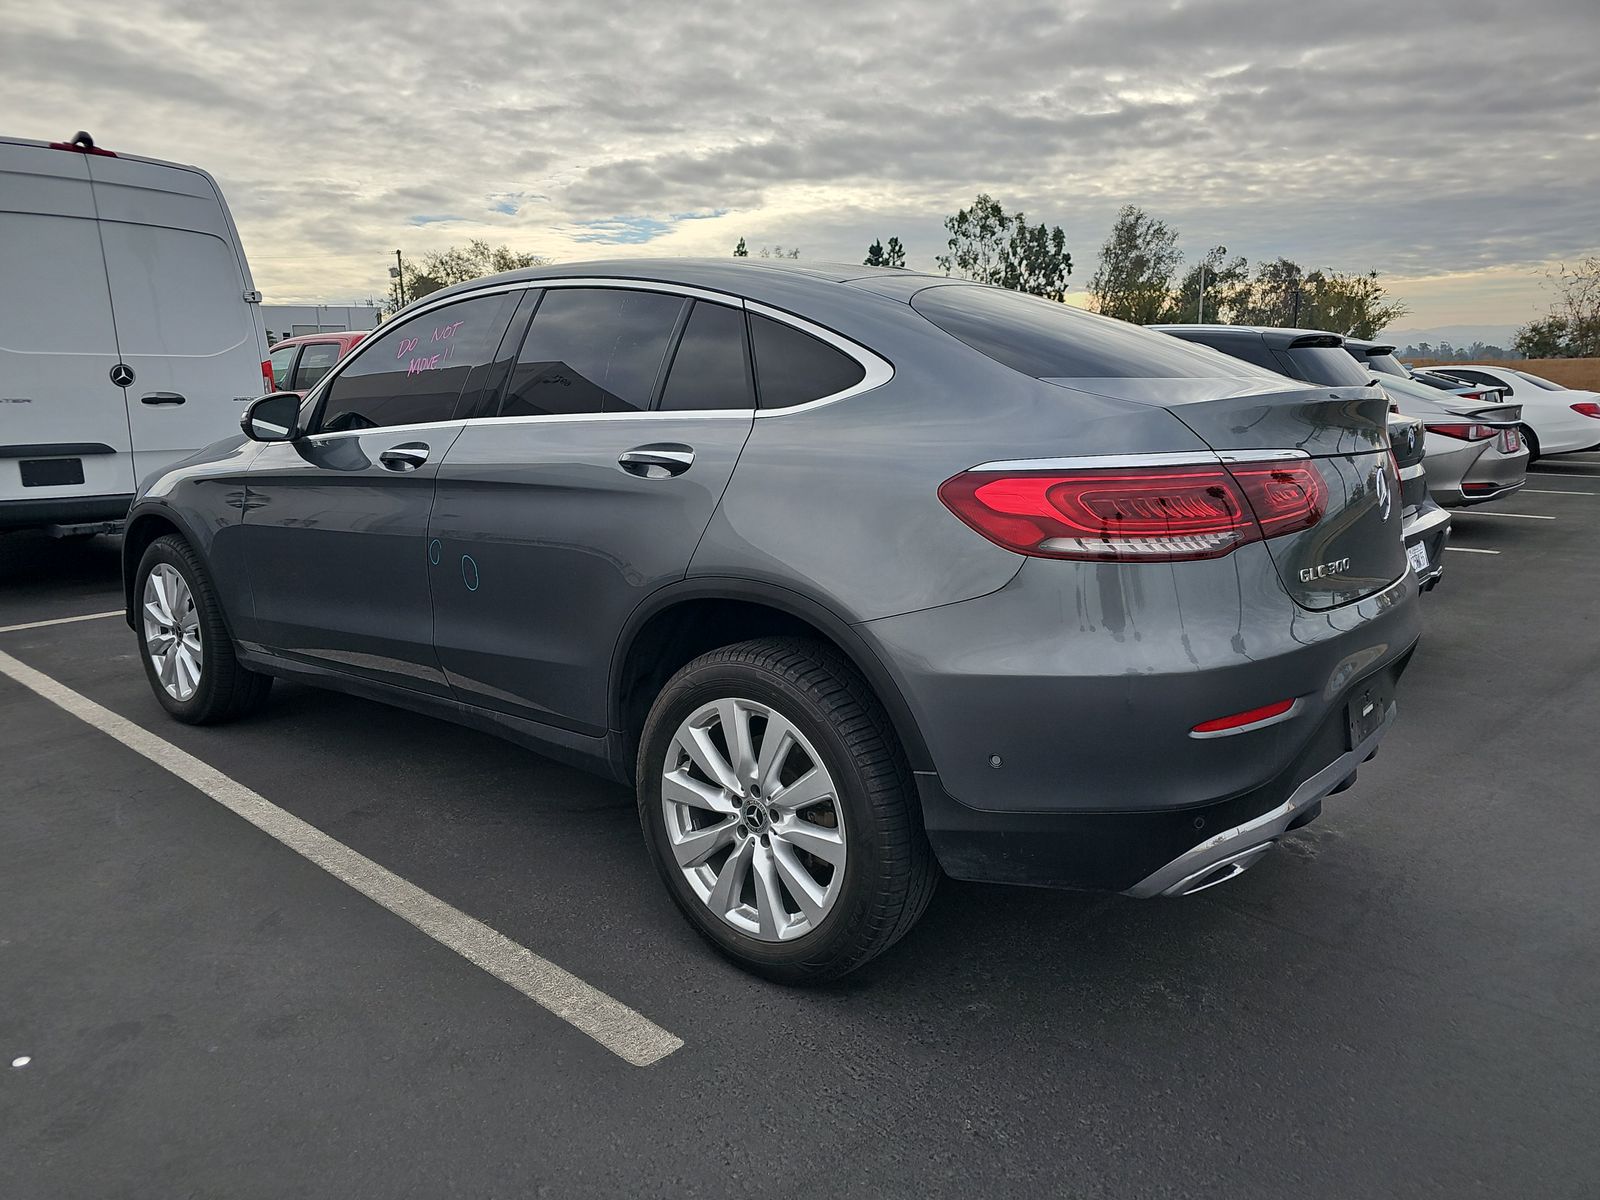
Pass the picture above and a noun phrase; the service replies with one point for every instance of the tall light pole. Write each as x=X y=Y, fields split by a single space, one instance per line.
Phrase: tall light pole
x=1200 y=312
x=399 y=274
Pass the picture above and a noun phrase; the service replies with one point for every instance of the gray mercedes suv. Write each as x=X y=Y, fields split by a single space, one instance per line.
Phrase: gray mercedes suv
x=856 y=576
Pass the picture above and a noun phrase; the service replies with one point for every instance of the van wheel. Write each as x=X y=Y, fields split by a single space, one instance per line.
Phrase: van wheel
x=779 y=810
x=1533 y=444
x=184 y=645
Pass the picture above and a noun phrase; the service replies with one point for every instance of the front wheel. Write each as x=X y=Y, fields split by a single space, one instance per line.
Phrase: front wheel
x=183 y=642
x=779 y=811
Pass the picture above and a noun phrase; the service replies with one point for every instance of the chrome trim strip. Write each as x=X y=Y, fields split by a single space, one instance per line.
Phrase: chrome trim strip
x=1292 y=711
x=1248 y=456
x=879 y=371
x=1268 y=827
x=1178 y=458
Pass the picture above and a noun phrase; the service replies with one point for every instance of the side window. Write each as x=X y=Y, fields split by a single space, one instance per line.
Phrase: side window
x=315 y=361
x=712 y=366
x=793 y=367
x=592 y=350
x=282 y=367
x=413 y=373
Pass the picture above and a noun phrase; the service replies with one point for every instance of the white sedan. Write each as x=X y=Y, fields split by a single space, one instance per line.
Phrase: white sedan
x=1556 y=420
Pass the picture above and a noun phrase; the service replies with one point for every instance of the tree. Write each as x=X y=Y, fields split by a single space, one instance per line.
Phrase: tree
x=1543 y=338
x=1224 y=283
x=1354 y=305
x=878 y=256
x=1137 y=262
x=441 y=269
x=741 y=251
x=780 y=252
x=988 y=246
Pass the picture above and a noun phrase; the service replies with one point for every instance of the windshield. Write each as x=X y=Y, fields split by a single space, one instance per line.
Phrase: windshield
x=1540 y=383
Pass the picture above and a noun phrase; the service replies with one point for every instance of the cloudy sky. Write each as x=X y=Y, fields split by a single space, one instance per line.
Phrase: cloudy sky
x=1452 y=145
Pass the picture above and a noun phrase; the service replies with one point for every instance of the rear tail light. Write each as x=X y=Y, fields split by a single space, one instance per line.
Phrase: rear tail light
x=1588 y=408
x=266 y=373
x=1475 y=395
x=1149 y=514
x=1465 y=433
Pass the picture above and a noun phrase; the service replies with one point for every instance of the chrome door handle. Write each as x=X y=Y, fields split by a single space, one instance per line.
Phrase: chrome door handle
x=404 y=458
x=660 y=461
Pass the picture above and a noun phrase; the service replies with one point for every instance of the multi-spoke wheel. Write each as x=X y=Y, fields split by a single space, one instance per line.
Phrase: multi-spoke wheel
x=778 y=808
x=187 y=652
x=172 y=631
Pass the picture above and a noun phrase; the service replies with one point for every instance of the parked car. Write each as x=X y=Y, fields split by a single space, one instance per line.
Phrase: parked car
x=299 y=363
x=130 y=331
x=1318 y=357
x=1474 y=448
x=1380 y=358
x=1425 y=523
x=1555 y=420
x=853 y=574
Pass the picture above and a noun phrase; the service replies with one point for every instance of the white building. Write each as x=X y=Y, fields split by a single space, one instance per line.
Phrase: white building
x=287 y=320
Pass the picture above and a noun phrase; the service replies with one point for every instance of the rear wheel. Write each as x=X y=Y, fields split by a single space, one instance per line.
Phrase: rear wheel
x=1532 y=439
x=779 y=810
x=183 y=642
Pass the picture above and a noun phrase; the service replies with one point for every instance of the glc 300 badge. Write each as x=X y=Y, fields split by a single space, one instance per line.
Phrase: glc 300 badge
x=1323 y=570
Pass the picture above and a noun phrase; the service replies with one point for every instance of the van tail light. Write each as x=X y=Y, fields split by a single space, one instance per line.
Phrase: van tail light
x=82 y=143
x=1138 y=514
x=266 y=374
x=1465 y=433
x=1588 y=408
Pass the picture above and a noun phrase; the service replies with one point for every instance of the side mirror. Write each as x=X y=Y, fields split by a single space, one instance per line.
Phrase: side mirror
x=273 y=418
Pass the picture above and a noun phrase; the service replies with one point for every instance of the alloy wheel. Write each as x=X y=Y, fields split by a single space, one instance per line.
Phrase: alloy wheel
x=753 y=819
x=172 y=631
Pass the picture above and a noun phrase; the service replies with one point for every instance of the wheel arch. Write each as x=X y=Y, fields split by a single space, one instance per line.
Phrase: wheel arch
x=686 y=619
x=141 y=529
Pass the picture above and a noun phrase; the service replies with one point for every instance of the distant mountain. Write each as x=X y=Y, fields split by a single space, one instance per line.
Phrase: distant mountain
x=1456 y=335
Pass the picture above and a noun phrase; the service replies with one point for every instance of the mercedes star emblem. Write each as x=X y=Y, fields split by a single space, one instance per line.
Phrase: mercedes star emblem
x=122 y=375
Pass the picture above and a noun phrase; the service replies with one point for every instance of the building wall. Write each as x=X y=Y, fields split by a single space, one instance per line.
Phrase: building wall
x=287 y=320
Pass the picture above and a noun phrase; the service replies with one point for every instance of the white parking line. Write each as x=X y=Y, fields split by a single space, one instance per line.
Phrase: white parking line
x=631 y=1037
x=1558 y=492
x=1469 y=550
x=1518 y=516
x=60 y=621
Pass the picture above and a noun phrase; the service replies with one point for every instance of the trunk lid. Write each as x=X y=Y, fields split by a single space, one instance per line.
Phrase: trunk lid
x=1357 y=546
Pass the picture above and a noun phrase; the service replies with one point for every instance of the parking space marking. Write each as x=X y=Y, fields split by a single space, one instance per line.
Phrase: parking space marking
x=1518 y=516
x=1468 y=550
x=1557 y=492
x=630 y=1036
x=116 y=612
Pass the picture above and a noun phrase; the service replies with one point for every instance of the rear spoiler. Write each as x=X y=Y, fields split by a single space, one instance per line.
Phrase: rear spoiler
x=1330 y=341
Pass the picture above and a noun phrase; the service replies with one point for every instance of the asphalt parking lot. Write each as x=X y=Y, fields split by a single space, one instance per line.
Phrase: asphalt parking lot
x=1403 y=1000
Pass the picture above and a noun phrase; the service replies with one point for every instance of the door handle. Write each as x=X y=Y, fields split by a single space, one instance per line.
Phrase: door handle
x=161 y=398
x=404 y=458
x=660 y=461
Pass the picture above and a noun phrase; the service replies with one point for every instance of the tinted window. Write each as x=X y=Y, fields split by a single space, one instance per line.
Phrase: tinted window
x=412 y=373
x=315 y=361
x=592 y=350
x=1544 y=384
x=282 y=362
x=1387 y=364
x=1055 y=341
x=793 y=367
x=712 y=366
x=1471 y=376
x=1330 y=366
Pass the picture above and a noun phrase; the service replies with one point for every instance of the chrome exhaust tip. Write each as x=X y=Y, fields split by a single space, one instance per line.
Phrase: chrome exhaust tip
x=1222 y=871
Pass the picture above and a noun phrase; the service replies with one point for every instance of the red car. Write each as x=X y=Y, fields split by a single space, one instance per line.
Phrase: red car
x=298 y=362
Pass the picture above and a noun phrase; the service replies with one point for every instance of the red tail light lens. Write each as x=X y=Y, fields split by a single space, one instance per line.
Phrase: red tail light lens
x=1588 y=408
x=1150 y=514
x=1465 y=433
x=266 y=374
x=1239 y=720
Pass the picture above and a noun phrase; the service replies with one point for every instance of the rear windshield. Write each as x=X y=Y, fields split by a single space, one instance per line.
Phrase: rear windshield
x=1540 y=383
x=1387 y=364
x=1331 y=366
x=1055 y=341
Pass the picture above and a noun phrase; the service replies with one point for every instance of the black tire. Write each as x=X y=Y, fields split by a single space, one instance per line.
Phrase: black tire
x=227 y=690
x=1532 y=439
x=890 y=872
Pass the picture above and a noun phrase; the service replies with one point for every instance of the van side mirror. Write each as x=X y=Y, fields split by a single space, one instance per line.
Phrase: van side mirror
x=273 y=418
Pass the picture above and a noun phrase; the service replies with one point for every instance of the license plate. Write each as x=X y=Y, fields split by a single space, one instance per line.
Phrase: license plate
x=1510 y=441
x=1418 y=554
x=1366 y=713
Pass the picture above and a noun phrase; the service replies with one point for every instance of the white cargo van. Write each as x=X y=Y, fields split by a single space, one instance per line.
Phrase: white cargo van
x=130 y=331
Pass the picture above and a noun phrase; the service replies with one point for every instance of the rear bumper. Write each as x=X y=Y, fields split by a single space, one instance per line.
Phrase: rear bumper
x=62 y=510
x=1428 y=526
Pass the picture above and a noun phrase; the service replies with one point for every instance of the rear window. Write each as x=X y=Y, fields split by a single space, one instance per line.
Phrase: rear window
x=1387 y=364
x=1055 y=341
x=1330 y=366
x=795 y=368
x=1540 y=383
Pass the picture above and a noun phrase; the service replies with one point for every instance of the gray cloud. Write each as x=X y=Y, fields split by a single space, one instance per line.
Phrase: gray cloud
x=1423 y=138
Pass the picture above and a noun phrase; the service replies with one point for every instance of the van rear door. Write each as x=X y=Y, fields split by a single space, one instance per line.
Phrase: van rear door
x=60 y=414
x=178 y=284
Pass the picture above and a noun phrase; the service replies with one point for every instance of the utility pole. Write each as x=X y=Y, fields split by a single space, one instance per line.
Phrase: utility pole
x=1200 y=311
x=400 y=276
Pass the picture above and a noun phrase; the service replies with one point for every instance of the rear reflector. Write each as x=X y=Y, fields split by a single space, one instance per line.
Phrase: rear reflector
x=1588 y=408
x=1129 y=514
x=266 y=374
x=1465 y=433
x=1238 y=721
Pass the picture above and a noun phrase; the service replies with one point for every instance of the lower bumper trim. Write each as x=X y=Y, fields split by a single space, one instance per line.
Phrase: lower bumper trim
x=1227 y=855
